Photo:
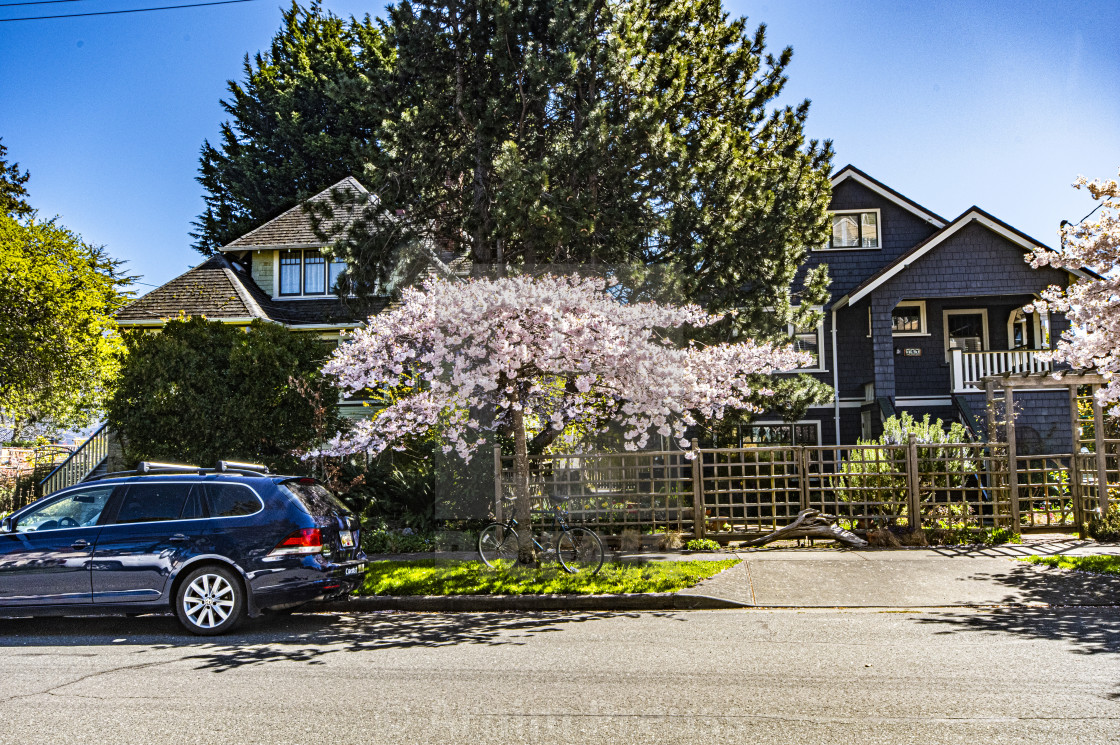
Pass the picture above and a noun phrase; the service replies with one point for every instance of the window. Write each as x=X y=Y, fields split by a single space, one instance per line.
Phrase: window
x=289 y=272
x=145 y=503
x=810 y=341
x=231 y=500
x=772 y=433
x=909 y=319
x=855 y=230
x=315 y=499
x=75 y=510
x=966 y=330
x=309 y=272
x=1018 y=330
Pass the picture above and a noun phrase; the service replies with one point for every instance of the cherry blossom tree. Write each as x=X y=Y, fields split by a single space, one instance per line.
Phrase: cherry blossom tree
x=527 y=353
x=1092 y=305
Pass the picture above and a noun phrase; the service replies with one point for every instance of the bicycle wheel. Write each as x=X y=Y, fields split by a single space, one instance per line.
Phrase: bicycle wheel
x=580 y=551
x=497 y=543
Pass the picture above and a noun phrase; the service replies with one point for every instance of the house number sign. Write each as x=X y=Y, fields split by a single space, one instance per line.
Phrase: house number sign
x=912 y=352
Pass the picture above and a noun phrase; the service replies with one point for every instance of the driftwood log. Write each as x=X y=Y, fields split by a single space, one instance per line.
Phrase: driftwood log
x=811 y=524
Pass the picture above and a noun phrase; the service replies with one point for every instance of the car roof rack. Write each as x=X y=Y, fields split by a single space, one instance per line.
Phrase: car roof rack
x=152 y=468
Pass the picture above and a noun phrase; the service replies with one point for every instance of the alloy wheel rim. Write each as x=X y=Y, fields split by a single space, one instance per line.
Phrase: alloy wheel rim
x=208 y=601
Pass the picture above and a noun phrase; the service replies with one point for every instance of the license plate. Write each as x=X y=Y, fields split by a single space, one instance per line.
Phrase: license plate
x=356 y=569
x=347 y=538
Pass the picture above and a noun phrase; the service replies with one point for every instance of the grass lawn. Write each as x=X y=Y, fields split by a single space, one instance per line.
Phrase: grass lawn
x=446 y=577
x=1098 y=564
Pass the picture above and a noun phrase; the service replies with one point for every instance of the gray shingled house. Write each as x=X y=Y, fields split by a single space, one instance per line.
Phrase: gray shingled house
x=922 y=309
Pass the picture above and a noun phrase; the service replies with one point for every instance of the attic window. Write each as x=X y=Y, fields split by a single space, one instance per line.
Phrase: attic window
x=308 y=273
x=854 y=230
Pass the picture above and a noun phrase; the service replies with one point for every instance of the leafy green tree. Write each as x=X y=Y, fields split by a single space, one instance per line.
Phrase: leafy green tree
x=202 y=391
x=295 y=127
x=12 y=189
x=58 y=339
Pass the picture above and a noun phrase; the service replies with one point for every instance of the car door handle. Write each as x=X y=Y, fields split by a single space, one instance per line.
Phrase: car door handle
x=79 y=544
x=178 y=538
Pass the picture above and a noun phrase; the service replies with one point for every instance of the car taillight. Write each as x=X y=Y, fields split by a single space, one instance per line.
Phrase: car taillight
x=305 y=541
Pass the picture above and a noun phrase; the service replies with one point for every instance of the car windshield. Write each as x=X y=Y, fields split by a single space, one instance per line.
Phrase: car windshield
x=315 y=498
x=76 y=510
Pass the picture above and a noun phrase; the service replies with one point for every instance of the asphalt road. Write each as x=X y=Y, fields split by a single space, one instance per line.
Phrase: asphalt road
x=1035 y=675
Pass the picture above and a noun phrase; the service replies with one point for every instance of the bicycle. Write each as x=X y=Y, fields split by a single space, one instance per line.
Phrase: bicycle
x=578 y=550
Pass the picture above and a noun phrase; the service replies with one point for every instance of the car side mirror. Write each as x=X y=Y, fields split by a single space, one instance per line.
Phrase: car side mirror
x=6 y=525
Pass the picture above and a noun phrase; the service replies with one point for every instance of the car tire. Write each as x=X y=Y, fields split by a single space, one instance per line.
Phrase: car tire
x=210 y=601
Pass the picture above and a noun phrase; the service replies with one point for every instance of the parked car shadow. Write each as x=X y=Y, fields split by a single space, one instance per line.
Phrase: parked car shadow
x=300 y=637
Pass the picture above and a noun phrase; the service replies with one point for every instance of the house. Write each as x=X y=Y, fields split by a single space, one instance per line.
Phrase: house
x=921 y=309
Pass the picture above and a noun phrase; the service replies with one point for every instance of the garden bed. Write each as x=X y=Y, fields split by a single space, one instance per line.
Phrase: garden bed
x=446 y=577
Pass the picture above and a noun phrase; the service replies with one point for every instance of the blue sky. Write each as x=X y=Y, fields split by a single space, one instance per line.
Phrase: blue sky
x=999 y=104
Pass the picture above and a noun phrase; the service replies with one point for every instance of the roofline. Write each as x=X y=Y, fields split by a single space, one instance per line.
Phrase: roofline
x=972 y=214
x=851 y=172
x=160 y=322
x=271 y=246
x=299 y=205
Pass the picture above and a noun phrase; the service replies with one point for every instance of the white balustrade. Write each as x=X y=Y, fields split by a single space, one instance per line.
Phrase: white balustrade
x=969 y=368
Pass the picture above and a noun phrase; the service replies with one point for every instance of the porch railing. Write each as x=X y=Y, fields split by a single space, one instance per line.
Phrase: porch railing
x=81 y=463
x=969 y=368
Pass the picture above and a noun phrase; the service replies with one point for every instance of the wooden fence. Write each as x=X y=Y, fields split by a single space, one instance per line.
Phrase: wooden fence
x=737 y=493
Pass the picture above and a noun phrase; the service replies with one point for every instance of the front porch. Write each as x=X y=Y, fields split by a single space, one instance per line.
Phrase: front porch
x=967 y=370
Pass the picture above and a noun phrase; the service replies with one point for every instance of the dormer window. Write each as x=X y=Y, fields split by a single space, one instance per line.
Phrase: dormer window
x=854 y=229
x=308 y=273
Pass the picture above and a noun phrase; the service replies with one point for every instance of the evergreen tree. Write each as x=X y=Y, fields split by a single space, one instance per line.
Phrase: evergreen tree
x=12 y=189
x=293 y=128
x=587 y=132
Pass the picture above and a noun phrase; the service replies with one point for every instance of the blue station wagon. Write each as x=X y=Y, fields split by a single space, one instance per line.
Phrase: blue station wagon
x=212 y=545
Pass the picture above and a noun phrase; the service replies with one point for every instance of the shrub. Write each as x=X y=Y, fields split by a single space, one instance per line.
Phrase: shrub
x=202 y=391
x=874 y=471
x=395 y=542
x=702 y=544
x=1104 y=527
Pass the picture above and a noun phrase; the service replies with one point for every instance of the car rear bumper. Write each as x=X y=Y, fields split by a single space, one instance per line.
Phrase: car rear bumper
x=315 y=578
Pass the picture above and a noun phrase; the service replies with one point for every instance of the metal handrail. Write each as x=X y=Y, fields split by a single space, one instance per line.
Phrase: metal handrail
x=80 y=464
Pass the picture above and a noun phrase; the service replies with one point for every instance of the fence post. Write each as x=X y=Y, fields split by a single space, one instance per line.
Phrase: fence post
x=498 y=483
x=803 y=475
x=914 y=503
x=698 y=521
x=1075 y=463
x=1099 y=447
x=1012 y=457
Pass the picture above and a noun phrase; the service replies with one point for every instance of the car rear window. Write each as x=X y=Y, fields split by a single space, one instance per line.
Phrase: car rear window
x=315 y=499
x=231 y=500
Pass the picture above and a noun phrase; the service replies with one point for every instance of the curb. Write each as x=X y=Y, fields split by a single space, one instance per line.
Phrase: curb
x=477 y=603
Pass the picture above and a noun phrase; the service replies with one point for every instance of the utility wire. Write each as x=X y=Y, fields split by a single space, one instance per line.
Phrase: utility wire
x=117 y=12
x=38 y=2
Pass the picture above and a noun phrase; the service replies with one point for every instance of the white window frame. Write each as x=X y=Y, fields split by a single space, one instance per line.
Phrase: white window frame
x=827 y=247
x=1034 y=319
x=921 y=306
x=277 y=295
x=983 y=312
x=793 y=331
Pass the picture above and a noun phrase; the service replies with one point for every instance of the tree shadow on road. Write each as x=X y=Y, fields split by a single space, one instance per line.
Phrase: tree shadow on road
x=303 y=638
x=1077 y=608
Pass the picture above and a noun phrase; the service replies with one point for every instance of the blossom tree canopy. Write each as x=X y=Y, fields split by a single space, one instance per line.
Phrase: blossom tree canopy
x=557 y=349
x=1092 y=305
x=548 y=351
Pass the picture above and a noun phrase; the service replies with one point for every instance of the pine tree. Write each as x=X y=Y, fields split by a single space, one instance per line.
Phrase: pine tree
x=295 y=127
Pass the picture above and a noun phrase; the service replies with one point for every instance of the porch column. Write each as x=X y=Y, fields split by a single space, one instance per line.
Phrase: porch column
x=882 y=345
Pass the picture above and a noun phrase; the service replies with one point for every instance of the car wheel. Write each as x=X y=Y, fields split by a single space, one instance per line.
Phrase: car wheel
x=210 y=601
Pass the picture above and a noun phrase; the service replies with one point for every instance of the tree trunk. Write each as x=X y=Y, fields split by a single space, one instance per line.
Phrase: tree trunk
x=525 y=552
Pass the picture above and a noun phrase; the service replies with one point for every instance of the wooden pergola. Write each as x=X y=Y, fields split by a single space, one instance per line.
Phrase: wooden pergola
x=1072 y=381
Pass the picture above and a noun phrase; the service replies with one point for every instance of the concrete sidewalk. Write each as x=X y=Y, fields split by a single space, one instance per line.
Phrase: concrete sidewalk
x=928 y=577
